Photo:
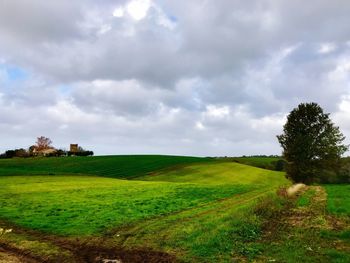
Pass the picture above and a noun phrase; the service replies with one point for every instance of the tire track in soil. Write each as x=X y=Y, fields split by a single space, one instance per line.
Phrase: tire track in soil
x=82 y=252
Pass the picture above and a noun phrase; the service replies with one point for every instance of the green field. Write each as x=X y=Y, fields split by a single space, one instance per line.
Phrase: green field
x=78 y=205
x=89 y=205
x=184 y=200
x=338 y=199
x=121 y=166
x=193 y=209
x=220 y=173
x=338 y=204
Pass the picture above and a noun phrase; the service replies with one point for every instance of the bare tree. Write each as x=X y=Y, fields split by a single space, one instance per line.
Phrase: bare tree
x=43 y=143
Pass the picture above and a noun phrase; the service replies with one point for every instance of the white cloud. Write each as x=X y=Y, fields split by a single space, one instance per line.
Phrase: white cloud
x=269 y=123
x=217 y=111
x=163 y=19
x=342 y=117
x=104 y=29
x=326 y=48
x=341 y=72
x=138 y=9
x=118 y=12
x=200 y=125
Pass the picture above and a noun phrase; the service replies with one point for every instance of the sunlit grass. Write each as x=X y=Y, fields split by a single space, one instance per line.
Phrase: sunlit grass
x=200 y=211
x=220 y=173
x=78 y=205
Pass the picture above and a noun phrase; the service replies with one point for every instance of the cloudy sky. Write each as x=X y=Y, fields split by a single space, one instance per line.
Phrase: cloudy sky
x=179 y=77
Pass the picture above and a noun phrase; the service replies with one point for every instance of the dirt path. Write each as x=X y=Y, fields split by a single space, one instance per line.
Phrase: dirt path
x=311 y=215
x=304 y=231
x=13 y=249
x=82 y=253
x=8 y=258
x=13 y=255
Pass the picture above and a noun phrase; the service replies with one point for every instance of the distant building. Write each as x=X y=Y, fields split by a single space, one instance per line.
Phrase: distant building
x=47 y=152
x=43 y=152
x=74 y=148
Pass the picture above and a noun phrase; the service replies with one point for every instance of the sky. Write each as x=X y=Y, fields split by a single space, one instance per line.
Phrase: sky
x=199 y=77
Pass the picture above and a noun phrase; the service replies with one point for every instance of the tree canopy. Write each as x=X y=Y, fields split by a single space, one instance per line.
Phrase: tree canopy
x=43 y=143
x=312 y=144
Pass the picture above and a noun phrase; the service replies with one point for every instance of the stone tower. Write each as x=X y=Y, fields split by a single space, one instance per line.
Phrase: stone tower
x=74 y=148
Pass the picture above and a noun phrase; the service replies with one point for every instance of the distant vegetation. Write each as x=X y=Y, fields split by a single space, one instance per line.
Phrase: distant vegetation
x=274 y=163
x=43 y=148
x=340 y=175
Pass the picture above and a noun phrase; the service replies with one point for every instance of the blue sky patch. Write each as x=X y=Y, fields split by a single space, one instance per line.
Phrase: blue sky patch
x=14 y=73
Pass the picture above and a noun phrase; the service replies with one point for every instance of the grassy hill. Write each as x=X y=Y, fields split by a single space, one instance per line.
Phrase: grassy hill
x=87 y=205
x=219 y=173
x=120 y=166
x=181 y=208
x=80 y=205
x=185 y=200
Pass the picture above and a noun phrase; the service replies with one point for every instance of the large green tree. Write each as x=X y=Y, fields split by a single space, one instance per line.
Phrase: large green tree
x=312 y=144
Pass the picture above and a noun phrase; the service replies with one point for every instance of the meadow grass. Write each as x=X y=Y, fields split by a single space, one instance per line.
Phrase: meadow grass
x=215 y=231
x=202 y=212
x=212 y=233
x=120 y=166
x=338 y=206
x=305 y=199
x=220 y=173
x=78 y=205
x=338 y=199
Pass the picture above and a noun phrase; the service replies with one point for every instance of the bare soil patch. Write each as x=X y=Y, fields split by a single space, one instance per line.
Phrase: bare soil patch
x=8 y=258
x=89 y=254
x=12 y=255
x=82 y=251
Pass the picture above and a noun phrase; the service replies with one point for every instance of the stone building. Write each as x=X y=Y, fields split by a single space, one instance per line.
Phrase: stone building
x=74 y=148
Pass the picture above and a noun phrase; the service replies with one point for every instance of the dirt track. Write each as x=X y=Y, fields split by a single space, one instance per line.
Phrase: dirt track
x=8 y=258
x=90 y=255
x=82 y=253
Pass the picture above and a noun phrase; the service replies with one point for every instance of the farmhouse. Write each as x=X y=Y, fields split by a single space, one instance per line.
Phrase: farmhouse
x=43 y=152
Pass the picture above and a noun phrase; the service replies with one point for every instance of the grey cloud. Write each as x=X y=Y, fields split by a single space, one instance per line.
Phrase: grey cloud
x=39 y=20
x=138 y=86
x=122 y=98
x=214 y=38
